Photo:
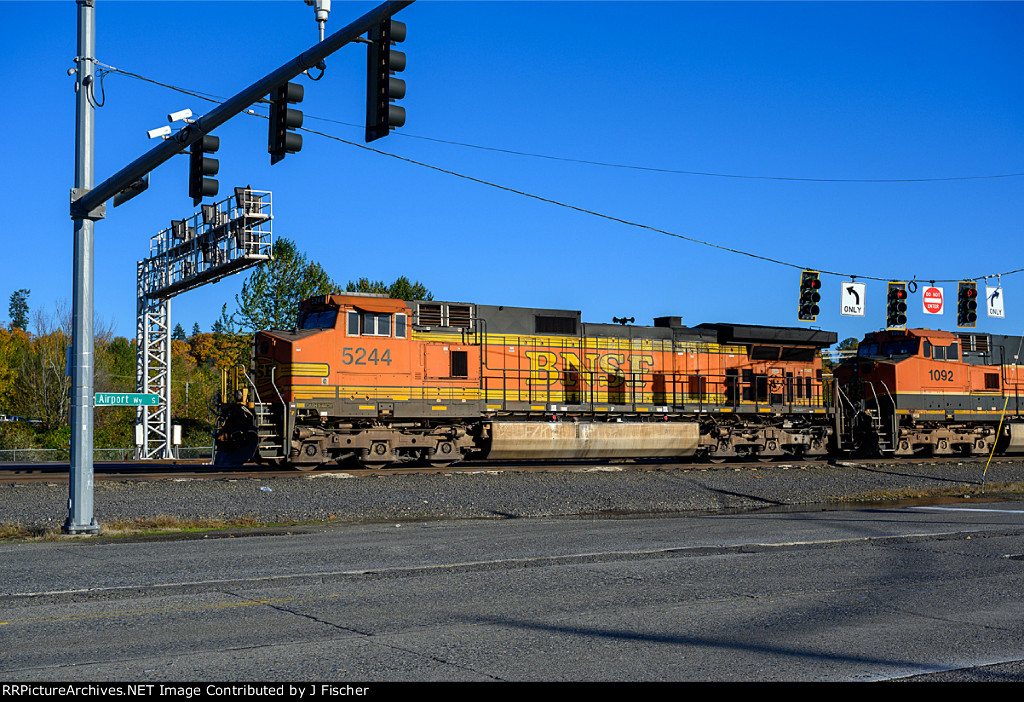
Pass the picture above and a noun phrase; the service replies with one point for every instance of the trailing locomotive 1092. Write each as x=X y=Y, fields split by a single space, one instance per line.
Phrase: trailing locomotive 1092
x=374 y=380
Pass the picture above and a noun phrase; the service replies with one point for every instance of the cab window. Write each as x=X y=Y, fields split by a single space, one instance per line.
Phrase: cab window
x=900 y=348
x=370 y=324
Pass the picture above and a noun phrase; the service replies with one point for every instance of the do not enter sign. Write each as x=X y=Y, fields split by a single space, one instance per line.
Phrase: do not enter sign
x=932 y=300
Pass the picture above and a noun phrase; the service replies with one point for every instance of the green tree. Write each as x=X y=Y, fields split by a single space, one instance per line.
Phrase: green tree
x=365 y=285
x=179 y=333
x=843 y=350
x=224 y=324
x=401 y=289
x=270 y=297
x=18 y=309
x=195 y=329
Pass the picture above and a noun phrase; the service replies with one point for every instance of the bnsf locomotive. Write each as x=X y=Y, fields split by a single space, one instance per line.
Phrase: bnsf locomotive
x=374 y=381
x=919 y=391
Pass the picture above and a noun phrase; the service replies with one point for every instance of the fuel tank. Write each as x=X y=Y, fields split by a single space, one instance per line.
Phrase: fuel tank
x=546 y=440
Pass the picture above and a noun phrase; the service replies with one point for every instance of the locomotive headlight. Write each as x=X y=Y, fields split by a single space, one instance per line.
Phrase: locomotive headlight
x=238 y=395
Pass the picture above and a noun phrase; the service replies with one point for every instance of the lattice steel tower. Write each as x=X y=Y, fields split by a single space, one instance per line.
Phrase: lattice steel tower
x=222 y=239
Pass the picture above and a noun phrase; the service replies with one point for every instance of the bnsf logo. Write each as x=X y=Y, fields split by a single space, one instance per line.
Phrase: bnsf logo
x=600 y=369
x=265 y=370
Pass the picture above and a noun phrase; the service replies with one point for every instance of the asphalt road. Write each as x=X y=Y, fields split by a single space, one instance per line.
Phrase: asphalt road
x=897 y=593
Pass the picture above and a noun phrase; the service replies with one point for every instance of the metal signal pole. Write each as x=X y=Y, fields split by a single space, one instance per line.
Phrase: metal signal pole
x=80 y=502
x=88 y=203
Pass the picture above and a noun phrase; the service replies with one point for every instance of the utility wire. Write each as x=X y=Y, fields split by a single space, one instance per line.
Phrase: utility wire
x=603 y=164
x=626 y=221
x=582 y=210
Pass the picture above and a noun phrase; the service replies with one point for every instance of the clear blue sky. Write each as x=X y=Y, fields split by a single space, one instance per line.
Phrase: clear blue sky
x=775 y=90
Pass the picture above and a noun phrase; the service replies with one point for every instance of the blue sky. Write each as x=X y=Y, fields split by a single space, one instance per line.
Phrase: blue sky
x=828 y=92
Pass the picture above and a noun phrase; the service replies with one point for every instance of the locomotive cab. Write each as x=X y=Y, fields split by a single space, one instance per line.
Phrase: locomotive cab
x=913 y=392
x=913 y=370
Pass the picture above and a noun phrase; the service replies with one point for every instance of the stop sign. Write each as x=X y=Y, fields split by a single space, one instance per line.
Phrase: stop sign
x=932 y=300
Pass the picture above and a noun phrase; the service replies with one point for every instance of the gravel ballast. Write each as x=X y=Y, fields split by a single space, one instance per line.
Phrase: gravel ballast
x=494 y=493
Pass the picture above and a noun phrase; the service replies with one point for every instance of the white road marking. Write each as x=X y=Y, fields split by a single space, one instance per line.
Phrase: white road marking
x=972 y=509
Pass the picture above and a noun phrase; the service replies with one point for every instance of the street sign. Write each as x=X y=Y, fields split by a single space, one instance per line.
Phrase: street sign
x=133 y=399
x=994 y=301
x=852 y=299
x=932 y=299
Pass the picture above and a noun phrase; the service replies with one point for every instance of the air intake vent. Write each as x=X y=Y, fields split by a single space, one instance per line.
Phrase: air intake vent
x=444 y=315
x=429 y=315
x=460 y=316
x=554 y=325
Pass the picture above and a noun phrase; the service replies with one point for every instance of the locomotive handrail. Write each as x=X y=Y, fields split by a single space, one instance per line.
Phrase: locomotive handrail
x=274 y=385
x=255 y=392
x=889 y=394
x=894 y=432
x=842 y=395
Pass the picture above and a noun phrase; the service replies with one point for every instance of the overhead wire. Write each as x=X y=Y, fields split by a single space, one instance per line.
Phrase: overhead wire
x=217 y=99
x=604 y=164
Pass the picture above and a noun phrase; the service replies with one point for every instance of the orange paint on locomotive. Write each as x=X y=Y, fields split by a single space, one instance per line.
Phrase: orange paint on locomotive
x=925 y=363
x=357 y=347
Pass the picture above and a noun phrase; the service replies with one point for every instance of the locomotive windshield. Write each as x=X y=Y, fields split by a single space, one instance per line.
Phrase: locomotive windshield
x=902 y=347
x=318 y=319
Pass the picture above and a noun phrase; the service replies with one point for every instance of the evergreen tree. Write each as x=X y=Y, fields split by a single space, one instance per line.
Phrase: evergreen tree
x=178 y=334
x=224 y=323
x=270 y=296
x=365 y=285
x=18 y=309
x=401 y=289
x=195 y=329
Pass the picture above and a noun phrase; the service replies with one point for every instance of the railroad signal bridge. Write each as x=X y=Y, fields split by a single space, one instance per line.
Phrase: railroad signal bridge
x=220 y=240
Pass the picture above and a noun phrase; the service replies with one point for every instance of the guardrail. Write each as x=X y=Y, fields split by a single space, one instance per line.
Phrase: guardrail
x=39 y=455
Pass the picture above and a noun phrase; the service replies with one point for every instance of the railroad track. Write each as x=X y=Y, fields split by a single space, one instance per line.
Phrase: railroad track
x=200 y=470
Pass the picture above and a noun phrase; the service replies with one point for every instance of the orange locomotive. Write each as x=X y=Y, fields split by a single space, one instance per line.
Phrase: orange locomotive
x=919 y=391
x=377 y=381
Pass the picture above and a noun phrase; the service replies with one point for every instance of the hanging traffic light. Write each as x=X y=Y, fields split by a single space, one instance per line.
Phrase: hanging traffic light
x=967 y=303
x=200 y=166
x=809 y=296
x=281 y=140
x=896 y=310
x=382 y=88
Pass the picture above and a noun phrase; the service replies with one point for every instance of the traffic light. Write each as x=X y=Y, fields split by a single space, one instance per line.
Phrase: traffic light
x=809 y=296
x=281 y=140
x=896 y=310
x=200 y=166
x=382 y=88
x=967 y=303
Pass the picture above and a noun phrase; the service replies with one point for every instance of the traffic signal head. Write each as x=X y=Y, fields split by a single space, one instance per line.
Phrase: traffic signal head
x=809 y=296
x=200 y=166
x=281 y=140
x=967 y=304
x=896 y=307
x=382 y=88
